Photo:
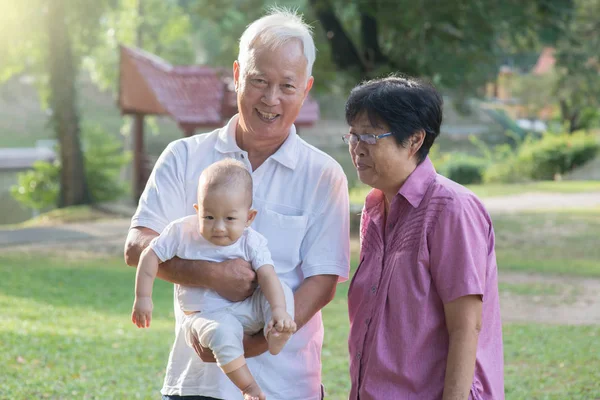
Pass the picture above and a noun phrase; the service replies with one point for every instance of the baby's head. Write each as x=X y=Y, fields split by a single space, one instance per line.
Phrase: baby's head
x=224 y=202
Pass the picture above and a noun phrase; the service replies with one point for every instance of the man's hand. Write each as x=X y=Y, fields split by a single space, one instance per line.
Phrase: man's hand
x=142 y=312
x=236 y=280
x=254 y=345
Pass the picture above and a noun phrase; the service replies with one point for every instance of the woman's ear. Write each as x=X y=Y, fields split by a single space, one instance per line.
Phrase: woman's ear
x=416 y=141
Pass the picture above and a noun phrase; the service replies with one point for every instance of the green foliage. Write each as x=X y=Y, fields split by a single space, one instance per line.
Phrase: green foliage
x=104 y=159
x=544 y=159
x=463 y=168
x=39 y=187
x=159 y=27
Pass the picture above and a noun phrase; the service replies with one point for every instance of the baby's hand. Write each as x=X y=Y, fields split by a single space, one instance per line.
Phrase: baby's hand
x=142 y=312
x=281 y=321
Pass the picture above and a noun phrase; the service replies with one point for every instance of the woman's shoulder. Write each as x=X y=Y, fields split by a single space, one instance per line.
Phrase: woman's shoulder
x=454 y=198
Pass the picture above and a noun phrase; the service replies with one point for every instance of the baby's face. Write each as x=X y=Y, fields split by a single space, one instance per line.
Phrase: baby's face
x=223 y=214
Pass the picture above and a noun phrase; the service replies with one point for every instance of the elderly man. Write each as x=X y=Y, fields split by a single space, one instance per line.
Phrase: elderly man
x=302 y=200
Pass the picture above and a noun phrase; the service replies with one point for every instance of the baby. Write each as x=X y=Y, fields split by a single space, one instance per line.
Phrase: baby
x=221 y=230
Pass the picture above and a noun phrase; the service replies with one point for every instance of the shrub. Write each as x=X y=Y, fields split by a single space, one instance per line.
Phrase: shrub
x=463 y=168
x=38 y=188
x=543 y=159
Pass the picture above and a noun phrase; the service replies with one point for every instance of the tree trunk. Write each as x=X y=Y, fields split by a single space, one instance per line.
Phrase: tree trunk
x=65 y=119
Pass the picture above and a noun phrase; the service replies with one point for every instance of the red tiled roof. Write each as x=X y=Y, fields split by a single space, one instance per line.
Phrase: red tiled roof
x=195 y=96
x=545 y=62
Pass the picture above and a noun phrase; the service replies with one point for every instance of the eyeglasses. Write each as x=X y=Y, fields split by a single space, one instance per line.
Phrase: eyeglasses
x=369 y=138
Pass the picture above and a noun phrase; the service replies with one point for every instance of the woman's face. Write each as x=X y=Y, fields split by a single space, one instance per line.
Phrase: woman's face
x=383 y=165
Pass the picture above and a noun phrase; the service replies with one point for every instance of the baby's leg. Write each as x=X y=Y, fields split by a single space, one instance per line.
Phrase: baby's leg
x=223 y=334
x=243 y=379
x=275 y=339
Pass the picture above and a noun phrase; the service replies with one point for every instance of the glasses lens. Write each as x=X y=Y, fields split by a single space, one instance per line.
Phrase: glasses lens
x=369 y=139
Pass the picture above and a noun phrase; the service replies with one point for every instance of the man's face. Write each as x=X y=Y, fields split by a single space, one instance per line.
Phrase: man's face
x=223 y=214
x=271 y=90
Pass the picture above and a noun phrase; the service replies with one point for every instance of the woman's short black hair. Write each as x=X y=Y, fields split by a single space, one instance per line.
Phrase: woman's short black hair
x=405 y=104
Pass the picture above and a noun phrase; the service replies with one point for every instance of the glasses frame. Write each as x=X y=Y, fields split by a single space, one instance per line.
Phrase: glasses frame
x=368 y=138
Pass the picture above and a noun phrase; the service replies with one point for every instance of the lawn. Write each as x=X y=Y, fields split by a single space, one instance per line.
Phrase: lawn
x=358 y=193
x=563 y=242
x=65 y=330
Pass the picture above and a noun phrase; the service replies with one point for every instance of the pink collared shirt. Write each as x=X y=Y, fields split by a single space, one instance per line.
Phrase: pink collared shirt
x=437 y=246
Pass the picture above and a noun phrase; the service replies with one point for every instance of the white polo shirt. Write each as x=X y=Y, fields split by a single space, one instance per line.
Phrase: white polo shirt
x=301 y=195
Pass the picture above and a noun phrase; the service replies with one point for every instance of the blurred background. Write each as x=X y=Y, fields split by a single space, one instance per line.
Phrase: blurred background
x=91 y=92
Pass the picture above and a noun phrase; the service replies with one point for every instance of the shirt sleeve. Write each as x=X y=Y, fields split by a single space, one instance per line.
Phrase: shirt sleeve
x=259 y=251
x=163 y=199
x=459 y=249
x=325 y=249
x=167 y=243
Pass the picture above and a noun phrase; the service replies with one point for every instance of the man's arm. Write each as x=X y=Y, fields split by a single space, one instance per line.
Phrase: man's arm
x=232 y=279
x=463 y=320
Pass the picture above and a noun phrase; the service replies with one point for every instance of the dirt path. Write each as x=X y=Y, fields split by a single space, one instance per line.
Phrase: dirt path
x=542 y=201
x=573 y=300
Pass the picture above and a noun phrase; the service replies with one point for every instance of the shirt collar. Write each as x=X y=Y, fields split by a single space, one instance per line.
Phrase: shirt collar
x=417 y=183
x=286 y=155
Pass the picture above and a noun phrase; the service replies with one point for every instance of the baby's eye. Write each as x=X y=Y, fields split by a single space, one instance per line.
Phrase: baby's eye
x=209 y=217
x=231 y=219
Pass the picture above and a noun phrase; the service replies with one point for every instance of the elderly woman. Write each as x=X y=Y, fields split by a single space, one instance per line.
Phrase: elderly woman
x=423 y=303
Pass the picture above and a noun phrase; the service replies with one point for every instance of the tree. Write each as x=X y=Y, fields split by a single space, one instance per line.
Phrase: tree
x=53 y=39
x=457 y=44
x=578 y=67
x=65 y=118
x=47 y=39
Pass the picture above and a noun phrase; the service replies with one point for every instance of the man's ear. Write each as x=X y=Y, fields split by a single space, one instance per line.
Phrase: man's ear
x=236 y=74
x=251 y=215
x=309 y=85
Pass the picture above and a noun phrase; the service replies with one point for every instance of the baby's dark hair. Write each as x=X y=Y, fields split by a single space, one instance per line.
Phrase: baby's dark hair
x=229 y=173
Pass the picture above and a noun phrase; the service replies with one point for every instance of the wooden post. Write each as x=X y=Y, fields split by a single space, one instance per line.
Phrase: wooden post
x=139 y=157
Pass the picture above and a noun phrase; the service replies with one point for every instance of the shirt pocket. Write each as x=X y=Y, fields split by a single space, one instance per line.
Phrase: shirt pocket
x=284 y=234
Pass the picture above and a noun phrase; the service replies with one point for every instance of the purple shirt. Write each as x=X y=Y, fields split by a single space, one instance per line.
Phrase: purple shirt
x=437 y=246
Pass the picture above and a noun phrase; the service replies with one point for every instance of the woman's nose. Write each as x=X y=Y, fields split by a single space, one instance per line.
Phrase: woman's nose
x=358 y=149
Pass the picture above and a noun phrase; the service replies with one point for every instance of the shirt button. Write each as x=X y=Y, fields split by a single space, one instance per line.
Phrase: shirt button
x=358 y=355
x=373 y=289
x=242 y=156
x=367 y=321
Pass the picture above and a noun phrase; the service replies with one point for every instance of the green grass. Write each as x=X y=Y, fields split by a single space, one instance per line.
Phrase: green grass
x=358 y=193
x=552 y=242
x=66 y=333
x=65 y=330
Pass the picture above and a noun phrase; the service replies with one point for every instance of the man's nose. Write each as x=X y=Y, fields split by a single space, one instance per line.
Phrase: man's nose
x=271 y=95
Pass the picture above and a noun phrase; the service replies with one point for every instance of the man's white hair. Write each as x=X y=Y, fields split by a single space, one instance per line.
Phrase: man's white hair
x=276 y=28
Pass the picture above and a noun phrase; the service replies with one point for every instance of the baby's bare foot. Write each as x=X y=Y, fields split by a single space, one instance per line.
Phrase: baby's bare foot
x=253 y=392
x=277 y=340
